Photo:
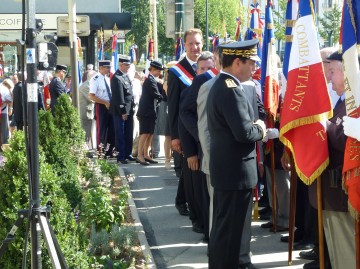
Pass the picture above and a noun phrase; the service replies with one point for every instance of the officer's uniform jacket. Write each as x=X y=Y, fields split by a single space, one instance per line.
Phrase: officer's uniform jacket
x=56 y=88
x=98 y=87
x=122 y=101
x=233 y=136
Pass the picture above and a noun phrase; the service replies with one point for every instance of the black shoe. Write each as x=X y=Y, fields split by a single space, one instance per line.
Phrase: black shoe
x=247 y=266
x=303 y=246
x=309 y=255
x=312 y=265
x=123 y=161
x=150 y=160
x=266 y=216
x=183 y=209
x=141 y=162
x=267 y=225
x=205 y=239
x=131 y=158
x=285 y=238
x=264 y=211
x=197 y=228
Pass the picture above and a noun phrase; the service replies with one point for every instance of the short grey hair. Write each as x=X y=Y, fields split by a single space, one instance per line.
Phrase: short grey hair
x=206 y=55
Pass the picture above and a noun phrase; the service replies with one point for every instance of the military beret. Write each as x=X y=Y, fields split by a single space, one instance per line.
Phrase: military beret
x=105 y=63
x=61 y=67
x=157 y=65
x=245 y=49
x=336 y=56
x=124 y=59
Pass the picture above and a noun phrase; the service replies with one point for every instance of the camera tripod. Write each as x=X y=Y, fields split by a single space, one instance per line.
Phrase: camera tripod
x=57 y=258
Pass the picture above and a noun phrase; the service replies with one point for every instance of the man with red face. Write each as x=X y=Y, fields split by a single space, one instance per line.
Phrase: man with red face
x=180 y=78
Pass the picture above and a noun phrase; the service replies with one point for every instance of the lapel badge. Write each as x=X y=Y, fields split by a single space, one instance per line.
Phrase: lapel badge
x=338 y=121
x=230 y=83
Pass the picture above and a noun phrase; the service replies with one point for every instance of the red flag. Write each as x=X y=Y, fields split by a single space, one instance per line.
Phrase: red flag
x=238 y=29
x=306 y=102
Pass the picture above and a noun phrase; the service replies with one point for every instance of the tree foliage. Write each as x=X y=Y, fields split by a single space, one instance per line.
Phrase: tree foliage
x=279 y=19
x=330 y=25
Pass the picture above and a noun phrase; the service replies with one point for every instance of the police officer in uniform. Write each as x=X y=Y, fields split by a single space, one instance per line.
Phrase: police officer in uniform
x=234 y=132
x=122 y=108
x=57 y=86
x=100 y=93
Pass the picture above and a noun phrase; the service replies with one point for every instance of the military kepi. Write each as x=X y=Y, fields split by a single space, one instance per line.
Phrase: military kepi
x=105 y=63
x=61 y=67
x=157 y=65
x=246 y=49
x=124 y=59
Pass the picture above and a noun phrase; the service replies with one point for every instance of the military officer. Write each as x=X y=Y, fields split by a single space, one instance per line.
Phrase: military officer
x=100 y=93
x=234 y=132
x=122 y=108
x=57 y=86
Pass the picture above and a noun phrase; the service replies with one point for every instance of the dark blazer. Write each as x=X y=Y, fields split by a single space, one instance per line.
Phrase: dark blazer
x=122 y=99
x=233 y=134
x=175 y=87
x=17 y=102
x=56 y=88
x=334 y=198
x=189 y=135
x=149 y=99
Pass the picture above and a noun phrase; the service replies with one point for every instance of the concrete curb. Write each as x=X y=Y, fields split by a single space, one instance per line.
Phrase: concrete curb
x=138 y=225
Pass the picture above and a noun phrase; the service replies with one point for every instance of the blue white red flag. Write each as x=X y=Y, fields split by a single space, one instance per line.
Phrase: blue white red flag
x=114 y=55
x=179 y=48
x=350 y=42
x=132 y=53
x=101 y=49
x=269 y=74
x=306 y=102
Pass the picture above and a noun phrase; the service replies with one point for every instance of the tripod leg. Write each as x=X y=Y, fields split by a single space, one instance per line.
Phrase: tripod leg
x=11 y=235
x=53 y=247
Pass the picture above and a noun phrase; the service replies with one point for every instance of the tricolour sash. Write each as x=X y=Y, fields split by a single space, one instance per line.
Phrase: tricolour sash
x=211 y=73
x=182 y=74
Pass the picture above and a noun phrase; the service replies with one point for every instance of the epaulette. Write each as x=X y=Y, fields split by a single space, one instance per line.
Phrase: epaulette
x=230 y=83
x=95 y=77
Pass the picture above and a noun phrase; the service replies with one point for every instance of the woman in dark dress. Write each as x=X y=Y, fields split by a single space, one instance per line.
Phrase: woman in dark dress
x=146 y=114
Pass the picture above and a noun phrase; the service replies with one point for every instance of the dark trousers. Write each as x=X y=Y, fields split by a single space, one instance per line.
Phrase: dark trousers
x=104 y=128
x=124 y=130
x=229 y=243
x=304 y=216
x=180 y=195
x=205 y=204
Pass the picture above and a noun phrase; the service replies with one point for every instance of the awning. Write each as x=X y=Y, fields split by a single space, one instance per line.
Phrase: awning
x=106 y=21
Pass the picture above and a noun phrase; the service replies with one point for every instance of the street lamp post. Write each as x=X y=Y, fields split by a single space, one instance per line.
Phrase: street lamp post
x=207 y=25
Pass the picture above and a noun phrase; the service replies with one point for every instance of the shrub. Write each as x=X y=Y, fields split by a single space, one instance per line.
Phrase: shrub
x=14 y=192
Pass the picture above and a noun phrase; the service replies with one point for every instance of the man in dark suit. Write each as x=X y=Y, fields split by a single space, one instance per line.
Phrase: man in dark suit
x=234 y=133
x=122 y=108
x=180 y=77
x=17 y=101
x=338 y=224
x=190 y=140
x=57 y=86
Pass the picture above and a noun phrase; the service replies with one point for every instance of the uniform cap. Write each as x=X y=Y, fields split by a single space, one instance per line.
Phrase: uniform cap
x=336 y=56
x=124 y=59
x=157 y=65
x=246 y=49
x=61 y=67
x=105 y=63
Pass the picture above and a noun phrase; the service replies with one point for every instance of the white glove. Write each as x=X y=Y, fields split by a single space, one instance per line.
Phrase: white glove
x=351 y=127
x=262 y=125
x=271 y=133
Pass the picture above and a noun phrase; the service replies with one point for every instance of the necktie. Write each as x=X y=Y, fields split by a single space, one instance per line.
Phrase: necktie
x=107 y=89
x=338 y=102
x=194 y=66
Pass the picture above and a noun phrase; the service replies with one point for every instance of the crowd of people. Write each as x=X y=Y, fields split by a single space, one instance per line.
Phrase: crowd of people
x=210 y=111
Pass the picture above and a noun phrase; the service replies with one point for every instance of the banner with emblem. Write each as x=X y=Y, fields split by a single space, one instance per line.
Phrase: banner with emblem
x=306 y=102
x=350 y=42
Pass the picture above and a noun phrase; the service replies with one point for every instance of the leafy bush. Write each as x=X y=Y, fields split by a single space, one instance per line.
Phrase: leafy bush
x=15 y=195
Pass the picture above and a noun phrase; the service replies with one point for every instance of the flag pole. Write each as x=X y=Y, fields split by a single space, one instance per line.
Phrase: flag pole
x=357 y=241
x=320 y=224
x=272 y=173
x=293 y=187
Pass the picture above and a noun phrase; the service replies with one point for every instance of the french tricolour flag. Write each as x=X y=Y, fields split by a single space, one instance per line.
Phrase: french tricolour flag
x=306 y=102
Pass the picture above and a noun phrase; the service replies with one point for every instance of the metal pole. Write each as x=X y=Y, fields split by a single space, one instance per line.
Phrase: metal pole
x=179 y=18
x=207 y=25
x=73 y=53
x=32 y=99
x=155 y=30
